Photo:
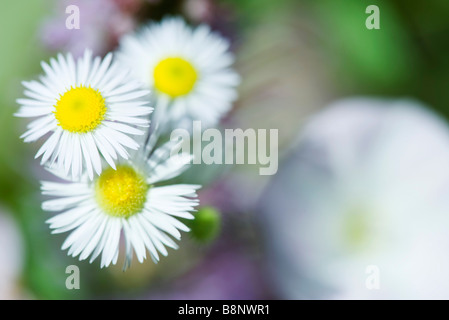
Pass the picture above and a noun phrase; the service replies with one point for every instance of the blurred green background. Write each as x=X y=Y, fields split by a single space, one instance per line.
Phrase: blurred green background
x=294 y=56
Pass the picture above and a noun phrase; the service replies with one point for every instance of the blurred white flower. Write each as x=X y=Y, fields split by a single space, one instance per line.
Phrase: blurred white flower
x=11 y=257
x=360 y=209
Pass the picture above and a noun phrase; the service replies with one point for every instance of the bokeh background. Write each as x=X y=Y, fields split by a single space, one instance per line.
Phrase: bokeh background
x=259 y=236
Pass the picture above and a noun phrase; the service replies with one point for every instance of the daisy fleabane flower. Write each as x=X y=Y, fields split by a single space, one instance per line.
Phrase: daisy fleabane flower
x=90 y=107
x=128 y=199
x=188 y=69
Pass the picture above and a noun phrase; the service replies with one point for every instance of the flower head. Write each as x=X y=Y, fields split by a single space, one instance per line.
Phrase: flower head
x=128 y=198
x=189 y=69
x=90 y=107
x=359 y=209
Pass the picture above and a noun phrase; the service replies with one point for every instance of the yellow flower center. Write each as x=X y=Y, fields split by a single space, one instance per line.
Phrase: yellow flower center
x=80 y=109
x=175 y=77
x=122 y=192
x=358 y=228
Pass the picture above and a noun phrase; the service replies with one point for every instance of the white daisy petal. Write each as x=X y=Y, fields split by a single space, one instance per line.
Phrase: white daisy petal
x=69 y=217
x=158 y=221
x=93 y=150
x=49 y=146
x=78 y=233
x=150 y=229
x=135 y=111
x=94 y=240
x=115 y=144
x=170 y=168
x=101 y=71
x=86 y=155
x=136 y=242
x=77 y=157
x=148 y=242
x=106 y=150
x=85 y=235
x=123 y=128
x=84 y=65
x=112 y=243
x=38 y=88
x=69 y=154
x=102 y=241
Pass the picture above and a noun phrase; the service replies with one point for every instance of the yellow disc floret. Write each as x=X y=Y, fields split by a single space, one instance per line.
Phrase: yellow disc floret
x=174 y=76
x=122 y=192
x=80 y=109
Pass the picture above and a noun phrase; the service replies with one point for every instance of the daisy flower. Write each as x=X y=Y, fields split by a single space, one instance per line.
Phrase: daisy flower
x=128 y=199
x=188 y=69
x=90 y=107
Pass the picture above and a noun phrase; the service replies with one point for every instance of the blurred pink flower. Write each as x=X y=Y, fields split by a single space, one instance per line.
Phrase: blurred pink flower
x=199 y=10
x=225 y=274
x=11 y=257
x=102 y=22
x=232 y=193
x=218 y=15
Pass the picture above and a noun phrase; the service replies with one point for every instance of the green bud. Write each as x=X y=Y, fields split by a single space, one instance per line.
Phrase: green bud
x=206 y=225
